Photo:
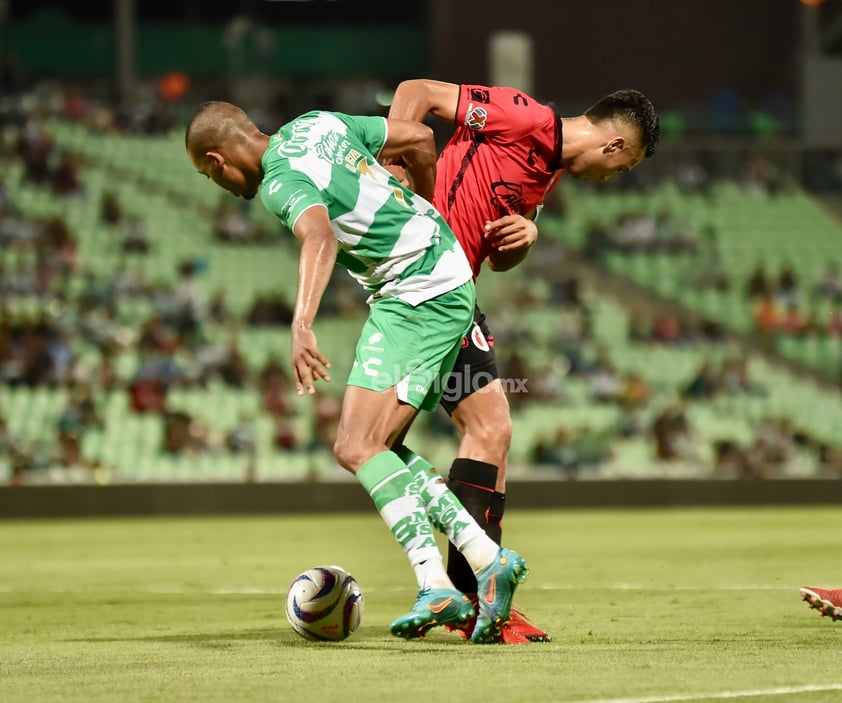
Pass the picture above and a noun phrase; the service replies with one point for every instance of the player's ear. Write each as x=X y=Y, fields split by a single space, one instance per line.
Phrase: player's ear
x=215 y=159
x=616 y=144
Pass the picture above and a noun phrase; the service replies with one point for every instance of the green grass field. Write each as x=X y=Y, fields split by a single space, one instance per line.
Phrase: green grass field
x=644 y=607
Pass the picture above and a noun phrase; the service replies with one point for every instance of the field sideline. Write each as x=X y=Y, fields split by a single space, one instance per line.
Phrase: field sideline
x=645 y=606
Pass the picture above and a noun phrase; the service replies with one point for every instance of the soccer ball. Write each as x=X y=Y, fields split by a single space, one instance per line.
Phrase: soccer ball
x=324 y=603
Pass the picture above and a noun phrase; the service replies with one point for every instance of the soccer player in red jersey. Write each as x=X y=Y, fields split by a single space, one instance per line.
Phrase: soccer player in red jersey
x=504 y=158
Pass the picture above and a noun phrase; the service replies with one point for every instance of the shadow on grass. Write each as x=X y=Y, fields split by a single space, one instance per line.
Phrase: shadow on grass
x=364 y=638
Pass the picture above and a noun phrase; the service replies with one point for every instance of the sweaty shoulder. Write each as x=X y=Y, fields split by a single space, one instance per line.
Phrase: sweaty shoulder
x=497 y=110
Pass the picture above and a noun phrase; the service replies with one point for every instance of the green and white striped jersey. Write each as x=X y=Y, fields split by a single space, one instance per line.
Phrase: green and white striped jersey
x=391 y=240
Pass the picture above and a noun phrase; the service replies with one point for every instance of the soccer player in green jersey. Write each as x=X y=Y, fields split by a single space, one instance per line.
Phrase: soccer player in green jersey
x=319 y=174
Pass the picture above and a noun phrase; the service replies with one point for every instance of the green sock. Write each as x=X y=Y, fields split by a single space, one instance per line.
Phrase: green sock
x=395 y=494
x=447 y=513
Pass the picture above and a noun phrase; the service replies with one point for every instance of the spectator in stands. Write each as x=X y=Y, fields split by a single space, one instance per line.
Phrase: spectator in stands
x=241 y=440
x=763 y=177
x=672 y=237
x=787 y=289
x=188 y=302
x=326 y=411
x=705 y=384
x=233 y=368
x=135 y=238
x=128 y=282
x=218 y=311
x=100 y=326
x=731 y=461
x=773 y=447
x=735 y=378
x=184 y=434
x=829 y=286
x=767 y=316
x=674 y=440
x=666 y=328
x=157 y=372
x=60 y=246
x=634 y=392
x=61 y=355
x=232 y=223
x=155 y=336
x=104 y=376
x=274 y=386
x=692 y=178
x=793 y=321
x=604 y=380
x=110 y=209
x=35 y=149
x=65 y=180
x=829 y=460
x=634 y=232
x=758 y=285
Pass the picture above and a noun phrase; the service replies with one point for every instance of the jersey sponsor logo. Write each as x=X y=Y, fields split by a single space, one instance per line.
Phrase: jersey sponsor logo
x=507 y=198
x=476 y=117
x=299 y=135
x=352 y=158
x=274 y=186
x=375 y=338
x=480 y=95
x=478 y=338
x=333 y=148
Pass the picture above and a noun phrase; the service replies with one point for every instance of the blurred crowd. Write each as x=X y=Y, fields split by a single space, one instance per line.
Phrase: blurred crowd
x=68 y=327
x=85 y=333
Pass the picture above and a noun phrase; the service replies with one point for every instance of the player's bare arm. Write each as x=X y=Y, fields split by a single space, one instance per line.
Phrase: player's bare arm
x=417 y=98
x=511 y=237
x=315 y=264
x=413 y=144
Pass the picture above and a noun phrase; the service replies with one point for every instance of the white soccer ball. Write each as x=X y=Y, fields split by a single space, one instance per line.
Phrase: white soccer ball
x=324 y=603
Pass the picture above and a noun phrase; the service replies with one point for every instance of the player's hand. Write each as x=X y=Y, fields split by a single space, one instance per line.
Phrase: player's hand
x=308 y=363
x=511 y=233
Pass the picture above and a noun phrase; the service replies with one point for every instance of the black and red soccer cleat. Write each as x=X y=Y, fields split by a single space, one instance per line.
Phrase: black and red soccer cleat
x=828 y=602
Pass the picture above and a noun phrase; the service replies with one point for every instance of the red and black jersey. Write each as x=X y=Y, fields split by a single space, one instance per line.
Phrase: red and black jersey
x=503 y=159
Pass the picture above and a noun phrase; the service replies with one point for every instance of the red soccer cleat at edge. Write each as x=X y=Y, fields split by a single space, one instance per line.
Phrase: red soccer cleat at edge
x=827 y=601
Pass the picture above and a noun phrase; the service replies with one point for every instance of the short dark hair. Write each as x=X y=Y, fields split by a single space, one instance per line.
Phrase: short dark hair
x=633 y=108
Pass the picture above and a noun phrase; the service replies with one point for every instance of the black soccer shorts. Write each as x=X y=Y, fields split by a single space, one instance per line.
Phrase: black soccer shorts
x=475 y=367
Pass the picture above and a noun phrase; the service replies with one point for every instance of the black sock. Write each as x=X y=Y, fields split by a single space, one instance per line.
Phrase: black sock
x=473 y=483
x=494 y=524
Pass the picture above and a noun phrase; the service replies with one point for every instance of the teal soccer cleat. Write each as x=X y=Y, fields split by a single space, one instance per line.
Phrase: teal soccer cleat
x=496 y=585
x=440 y=606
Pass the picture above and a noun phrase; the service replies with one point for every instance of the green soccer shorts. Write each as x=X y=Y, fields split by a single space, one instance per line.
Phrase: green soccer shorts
x=413 y=348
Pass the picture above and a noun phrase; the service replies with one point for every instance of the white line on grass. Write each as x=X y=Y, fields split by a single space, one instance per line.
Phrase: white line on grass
x=723 y=695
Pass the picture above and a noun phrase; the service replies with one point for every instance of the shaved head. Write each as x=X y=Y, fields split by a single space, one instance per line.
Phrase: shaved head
x=217 y=124
x=227 y=147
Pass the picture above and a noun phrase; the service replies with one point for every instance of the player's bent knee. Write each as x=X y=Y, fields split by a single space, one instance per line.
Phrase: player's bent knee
x=352 y=453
